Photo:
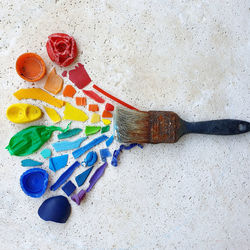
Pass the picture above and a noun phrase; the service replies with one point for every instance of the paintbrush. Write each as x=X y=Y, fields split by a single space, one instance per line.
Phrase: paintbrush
x=167 y=127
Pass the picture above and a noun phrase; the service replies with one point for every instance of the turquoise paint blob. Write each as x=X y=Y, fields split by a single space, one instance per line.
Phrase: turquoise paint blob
x=46 y=153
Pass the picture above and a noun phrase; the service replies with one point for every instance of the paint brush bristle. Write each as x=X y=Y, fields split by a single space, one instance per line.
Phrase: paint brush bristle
x=131 y=126
x=147 y=127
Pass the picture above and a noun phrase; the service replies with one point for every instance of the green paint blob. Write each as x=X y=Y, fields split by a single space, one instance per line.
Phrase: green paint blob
x=105 y=129
x=30 y=139
x=91 y=130
x=69 y=133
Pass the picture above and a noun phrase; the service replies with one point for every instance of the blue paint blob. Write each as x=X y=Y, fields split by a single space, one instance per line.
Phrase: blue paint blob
x=110 y=140
x=69 y=188
x=90 y=159
x=81 y=178
x=34 y=182
x=64 y=176
x=58 y=162
x=116 y=153
x=80 y=151
x=68 y=145
x=30 y=163
x=105 y=153
x=55 y=209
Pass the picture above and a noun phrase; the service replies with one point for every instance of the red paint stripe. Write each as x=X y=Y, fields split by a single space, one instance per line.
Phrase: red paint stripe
x=114 y=98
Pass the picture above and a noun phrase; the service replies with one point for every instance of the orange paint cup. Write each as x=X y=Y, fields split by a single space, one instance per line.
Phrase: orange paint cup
x=30 y=67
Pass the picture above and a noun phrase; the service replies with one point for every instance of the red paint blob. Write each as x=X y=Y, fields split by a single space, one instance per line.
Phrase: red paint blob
x=64 y=73
x=61 y=49
x=109 y=107
x=79 y=76
x=93 y=95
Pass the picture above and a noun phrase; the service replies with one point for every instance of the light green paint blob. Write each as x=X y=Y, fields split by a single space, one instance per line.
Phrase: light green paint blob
x=91 y=130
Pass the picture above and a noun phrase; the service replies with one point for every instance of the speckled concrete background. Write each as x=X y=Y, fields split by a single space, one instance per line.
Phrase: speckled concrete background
x=191 y=57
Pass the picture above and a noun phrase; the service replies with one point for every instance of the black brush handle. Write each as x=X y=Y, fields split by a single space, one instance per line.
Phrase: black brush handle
x=217 y=127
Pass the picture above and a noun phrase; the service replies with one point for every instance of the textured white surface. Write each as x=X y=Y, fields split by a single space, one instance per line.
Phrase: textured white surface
x=191 y=57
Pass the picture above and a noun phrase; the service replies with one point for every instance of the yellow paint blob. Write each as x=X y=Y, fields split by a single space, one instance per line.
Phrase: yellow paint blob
x=106 y=121
x=53 y=115
x=95 y=118
x=75 y=114
x=38 y=94
x=23 y=113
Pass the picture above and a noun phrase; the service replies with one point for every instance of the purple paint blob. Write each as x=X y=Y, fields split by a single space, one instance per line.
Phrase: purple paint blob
x=96 y=176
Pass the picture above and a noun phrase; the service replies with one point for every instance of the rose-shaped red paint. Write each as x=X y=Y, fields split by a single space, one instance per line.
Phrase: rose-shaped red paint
x=61 y=49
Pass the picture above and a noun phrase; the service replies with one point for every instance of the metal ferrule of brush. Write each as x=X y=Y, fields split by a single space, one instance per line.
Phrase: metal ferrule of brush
x=164 y=127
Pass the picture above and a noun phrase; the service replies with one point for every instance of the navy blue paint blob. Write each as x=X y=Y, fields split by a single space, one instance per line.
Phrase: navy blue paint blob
x=69 y=188
x=56 y=208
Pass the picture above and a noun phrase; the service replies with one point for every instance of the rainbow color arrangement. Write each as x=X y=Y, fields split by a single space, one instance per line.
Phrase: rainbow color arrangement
x=62 y=50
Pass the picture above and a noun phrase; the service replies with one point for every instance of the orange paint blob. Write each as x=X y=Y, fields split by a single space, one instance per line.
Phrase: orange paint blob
x=106 y=114
x=54 y=82
x=69 y=91
x=81 y=101
x=30 y=67
x=93 y=107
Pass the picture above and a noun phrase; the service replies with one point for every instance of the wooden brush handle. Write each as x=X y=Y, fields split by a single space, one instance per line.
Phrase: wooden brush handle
x=217 y=127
